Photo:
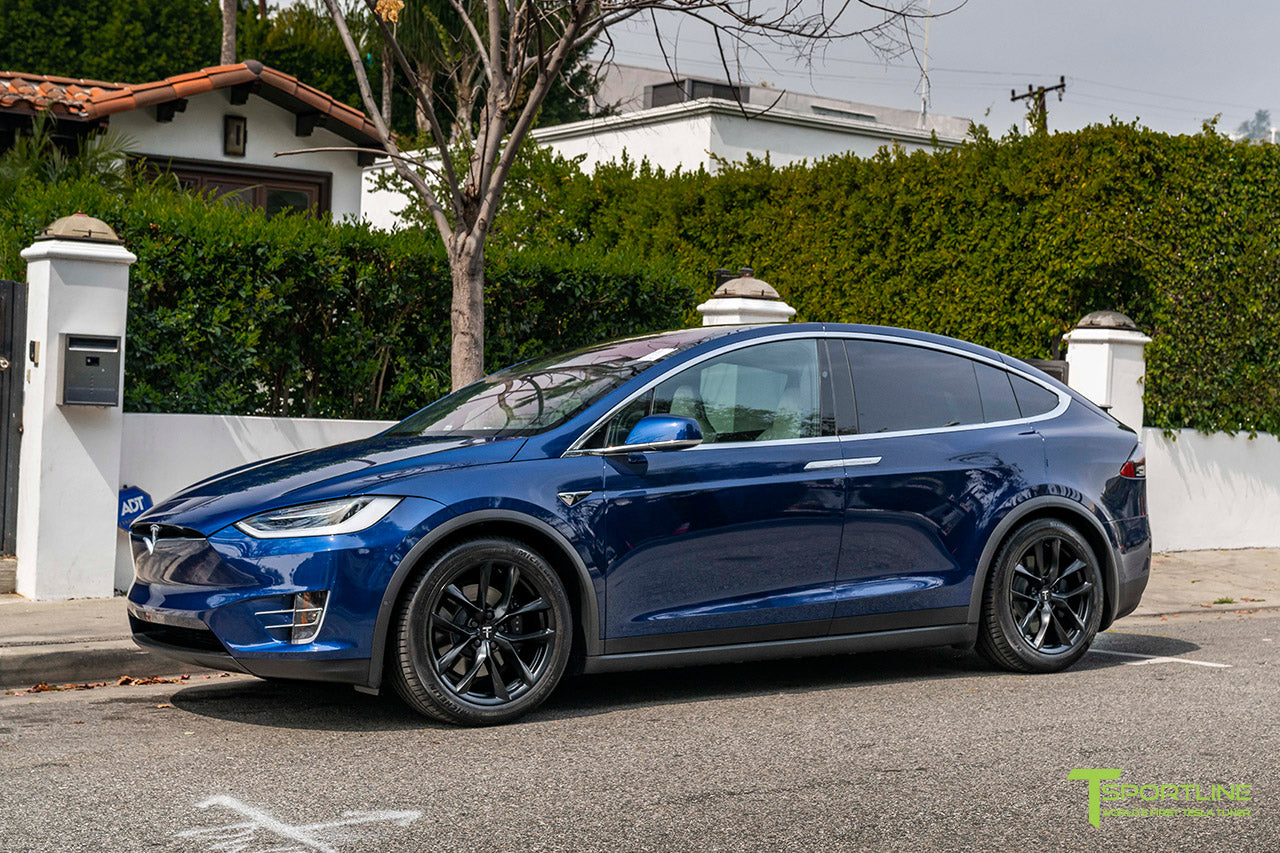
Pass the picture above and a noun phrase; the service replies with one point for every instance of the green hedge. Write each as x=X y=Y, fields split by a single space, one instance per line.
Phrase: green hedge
x=233 y=313
x=1003 y=242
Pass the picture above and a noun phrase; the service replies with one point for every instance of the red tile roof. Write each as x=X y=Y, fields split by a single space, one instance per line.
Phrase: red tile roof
x=89 y=100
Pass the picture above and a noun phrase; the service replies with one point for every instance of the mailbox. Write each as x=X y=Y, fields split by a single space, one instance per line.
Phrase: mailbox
x=90 y=371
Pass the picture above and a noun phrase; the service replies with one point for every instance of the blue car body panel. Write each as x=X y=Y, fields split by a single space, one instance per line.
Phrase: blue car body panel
x=724 y=546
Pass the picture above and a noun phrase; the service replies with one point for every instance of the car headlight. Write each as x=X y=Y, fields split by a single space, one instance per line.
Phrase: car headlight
x=328 y=518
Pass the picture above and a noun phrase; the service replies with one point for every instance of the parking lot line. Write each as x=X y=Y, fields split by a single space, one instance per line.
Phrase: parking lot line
x=1146 y=659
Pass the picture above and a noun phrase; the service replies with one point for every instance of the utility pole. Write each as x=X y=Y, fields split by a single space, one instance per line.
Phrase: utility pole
x=1039 y=111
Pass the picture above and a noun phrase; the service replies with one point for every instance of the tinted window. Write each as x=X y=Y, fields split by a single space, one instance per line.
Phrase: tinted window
x=759 y=393
x=1033 y=399
x=998 y=403
x=899 y=387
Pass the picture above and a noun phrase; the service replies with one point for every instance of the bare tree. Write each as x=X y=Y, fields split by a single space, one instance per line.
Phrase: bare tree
x=484 y=67
x=229 y=9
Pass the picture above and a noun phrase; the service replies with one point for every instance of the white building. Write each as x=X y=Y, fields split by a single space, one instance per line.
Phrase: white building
x=690 y=123
x=217 y=129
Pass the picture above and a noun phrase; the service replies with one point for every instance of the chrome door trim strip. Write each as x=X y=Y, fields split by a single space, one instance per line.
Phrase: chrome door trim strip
x=824 y=463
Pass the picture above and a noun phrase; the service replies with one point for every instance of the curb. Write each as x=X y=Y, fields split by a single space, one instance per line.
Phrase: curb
x=63 y=663
x=1217 y=608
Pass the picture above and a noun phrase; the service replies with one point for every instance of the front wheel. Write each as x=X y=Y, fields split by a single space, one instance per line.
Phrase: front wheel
x=482 y=635
x=1043 y=599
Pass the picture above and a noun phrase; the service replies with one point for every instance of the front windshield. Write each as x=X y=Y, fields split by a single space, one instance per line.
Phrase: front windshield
x=544 y=393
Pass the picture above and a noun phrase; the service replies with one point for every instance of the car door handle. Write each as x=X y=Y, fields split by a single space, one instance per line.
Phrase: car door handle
x=841 y=463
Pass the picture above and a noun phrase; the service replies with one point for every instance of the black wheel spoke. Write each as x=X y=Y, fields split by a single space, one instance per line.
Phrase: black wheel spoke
x=1026 y=573
x=1023 y=595
x=1055 y=560
x=525 y=675
x=456 y=594
x=1026 y=620
x=1038 y=642
x=1074 y=616
x=535 y=606
x=445 y=663
x=513 y=575
x=447 y=624
x=482 y=589
x=1075 y=566
x=1063 y=636
x=1080 y=590
x=495 y=676
x=1041 y=563
x=544 y=634
x=482 y=655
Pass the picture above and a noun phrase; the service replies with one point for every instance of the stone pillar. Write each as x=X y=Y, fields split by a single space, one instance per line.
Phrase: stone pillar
x=745 y=300
x=69 y=468
x=1106 y=363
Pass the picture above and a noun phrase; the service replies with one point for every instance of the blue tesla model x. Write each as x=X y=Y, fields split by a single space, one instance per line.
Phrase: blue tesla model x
x=704 y=495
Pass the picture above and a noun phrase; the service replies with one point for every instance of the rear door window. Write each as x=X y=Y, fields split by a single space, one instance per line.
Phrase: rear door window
x=902 y=387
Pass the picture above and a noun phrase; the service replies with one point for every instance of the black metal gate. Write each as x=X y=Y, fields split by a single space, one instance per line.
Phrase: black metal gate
x=13 y=362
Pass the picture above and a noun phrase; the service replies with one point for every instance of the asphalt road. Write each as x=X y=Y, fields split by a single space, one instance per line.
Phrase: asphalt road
x=913 y=751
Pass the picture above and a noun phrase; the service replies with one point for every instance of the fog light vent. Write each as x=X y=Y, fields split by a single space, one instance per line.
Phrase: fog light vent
x=304 y=617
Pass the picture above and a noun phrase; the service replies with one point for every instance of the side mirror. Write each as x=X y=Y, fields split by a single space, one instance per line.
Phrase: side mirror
x=658 y=432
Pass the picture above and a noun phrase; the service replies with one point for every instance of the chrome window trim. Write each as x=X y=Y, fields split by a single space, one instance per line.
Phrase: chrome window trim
x=1064 y=400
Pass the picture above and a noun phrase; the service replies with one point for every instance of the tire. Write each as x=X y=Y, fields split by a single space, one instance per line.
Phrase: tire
x=1043 y=599
x=477 y=658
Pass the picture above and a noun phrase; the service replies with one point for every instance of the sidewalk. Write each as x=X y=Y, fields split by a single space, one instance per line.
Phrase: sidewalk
x=88 y=640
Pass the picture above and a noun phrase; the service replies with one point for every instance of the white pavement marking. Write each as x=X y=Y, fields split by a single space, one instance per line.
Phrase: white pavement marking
x=1146 y=659
x=235 y=837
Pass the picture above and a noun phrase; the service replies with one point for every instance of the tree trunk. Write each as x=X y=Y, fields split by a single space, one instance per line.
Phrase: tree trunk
x=388 y=81
x=466 y=266
x=229 y=9
x=424 y=74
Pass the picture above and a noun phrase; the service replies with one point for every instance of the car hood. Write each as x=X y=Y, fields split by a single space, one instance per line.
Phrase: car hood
x=212 y=504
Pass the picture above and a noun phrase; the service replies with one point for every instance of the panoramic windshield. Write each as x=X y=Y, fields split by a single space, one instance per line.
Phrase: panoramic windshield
x=544 y=393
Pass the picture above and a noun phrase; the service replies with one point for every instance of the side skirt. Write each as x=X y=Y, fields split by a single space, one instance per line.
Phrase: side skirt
x=910 y=638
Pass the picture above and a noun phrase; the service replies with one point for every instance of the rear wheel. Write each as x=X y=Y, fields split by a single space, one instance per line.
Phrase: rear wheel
x=1043 y=599
x=482 y=636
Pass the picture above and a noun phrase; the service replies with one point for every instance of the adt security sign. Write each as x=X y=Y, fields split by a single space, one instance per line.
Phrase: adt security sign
x=133 y=503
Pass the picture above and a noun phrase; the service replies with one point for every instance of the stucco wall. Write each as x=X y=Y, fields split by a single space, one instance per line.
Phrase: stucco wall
x=165 y=453
x=196 y=134
x=1213 y=491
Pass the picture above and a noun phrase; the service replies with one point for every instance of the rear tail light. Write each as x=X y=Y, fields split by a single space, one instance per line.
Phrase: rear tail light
x=1136 y=467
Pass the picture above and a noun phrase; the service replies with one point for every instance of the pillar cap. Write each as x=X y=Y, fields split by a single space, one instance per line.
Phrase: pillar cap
x=82 y=227
x=746 y=286
x=1107 y=320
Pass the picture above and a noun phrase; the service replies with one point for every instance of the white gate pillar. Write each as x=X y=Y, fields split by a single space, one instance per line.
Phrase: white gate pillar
x=69 y=467
x=1106 y=363
x=745 y=300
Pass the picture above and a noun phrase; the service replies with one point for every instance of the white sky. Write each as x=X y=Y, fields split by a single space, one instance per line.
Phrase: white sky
x=1170 y=63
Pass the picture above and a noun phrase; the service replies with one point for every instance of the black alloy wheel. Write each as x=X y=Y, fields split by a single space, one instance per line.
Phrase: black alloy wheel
x=1043 y=600
x=483 y=635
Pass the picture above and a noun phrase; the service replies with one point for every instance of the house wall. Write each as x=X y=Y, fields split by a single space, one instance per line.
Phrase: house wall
x=163 y=454
x=196 y=134
x=1212 y=491
x=689 y=136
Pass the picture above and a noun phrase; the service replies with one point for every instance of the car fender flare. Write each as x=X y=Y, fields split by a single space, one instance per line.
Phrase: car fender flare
x=590 y=610
x=1016 y=517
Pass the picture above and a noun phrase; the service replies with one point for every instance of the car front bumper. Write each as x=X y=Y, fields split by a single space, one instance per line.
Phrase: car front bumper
x=218 y=601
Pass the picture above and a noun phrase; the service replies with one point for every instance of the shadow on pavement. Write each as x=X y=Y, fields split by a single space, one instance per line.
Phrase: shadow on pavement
x=335 y=707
